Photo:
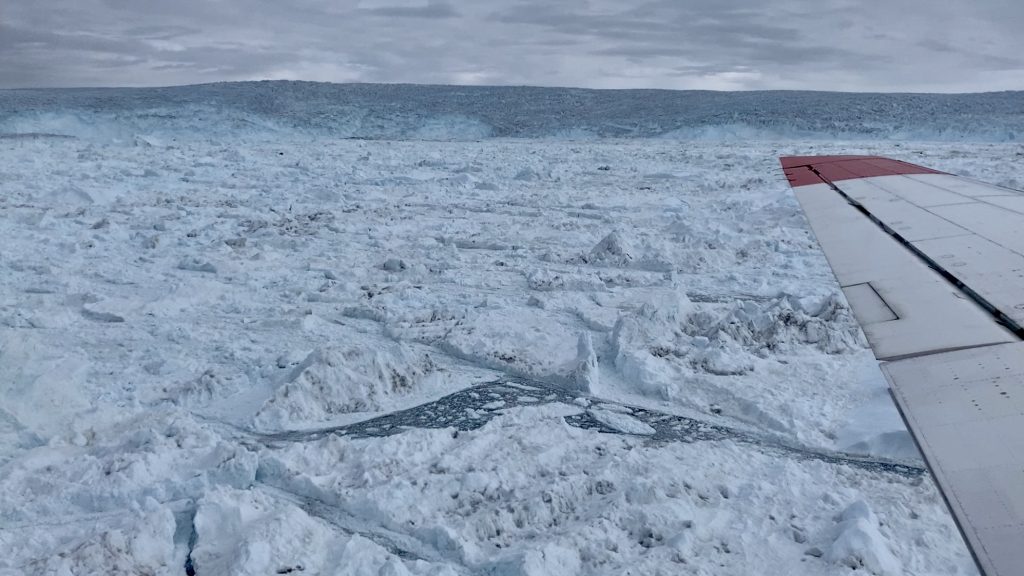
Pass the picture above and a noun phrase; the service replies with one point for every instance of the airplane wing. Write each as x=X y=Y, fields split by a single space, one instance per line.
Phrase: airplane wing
x=932 y=265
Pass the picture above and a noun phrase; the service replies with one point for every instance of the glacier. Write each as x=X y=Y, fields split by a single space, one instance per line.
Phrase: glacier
x=411 y=112
x=303 y=328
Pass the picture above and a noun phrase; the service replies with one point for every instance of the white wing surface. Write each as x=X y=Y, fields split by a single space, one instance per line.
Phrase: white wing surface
x=933 y=267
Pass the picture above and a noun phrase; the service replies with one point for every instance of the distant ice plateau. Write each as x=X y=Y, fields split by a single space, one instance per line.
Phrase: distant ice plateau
x=408 y=112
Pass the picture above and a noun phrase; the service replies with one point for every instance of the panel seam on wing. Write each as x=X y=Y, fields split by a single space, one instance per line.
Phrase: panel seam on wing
x=1000 y=317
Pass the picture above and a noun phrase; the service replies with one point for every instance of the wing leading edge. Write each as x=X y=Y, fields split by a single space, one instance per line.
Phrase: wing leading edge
x=932 y=265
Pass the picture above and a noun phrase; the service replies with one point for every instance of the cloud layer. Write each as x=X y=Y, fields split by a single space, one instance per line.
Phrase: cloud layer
x=705 y=44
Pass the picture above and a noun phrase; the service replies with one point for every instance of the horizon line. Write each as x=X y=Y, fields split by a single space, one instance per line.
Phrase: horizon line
x=500 y=86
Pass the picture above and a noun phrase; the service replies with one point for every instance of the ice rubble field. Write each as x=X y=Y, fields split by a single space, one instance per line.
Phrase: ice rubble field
x=170 y=305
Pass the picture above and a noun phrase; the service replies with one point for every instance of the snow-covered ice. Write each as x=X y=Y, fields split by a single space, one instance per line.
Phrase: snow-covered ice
x=181 y=313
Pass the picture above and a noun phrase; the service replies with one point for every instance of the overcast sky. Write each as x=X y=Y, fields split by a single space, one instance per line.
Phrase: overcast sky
x=862 y=45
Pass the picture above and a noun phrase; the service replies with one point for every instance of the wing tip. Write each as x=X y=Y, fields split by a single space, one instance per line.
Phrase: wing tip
x=807 y=170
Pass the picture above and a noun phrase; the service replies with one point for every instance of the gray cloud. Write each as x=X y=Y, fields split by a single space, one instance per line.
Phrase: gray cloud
x=701 y=44
x=158 y=32
x=434 y=10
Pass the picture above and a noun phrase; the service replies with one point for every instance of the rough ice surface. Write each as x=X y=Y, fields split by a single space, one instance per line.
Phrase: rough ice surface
x=860 y=544
x=188 y=315
x=622 y=422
